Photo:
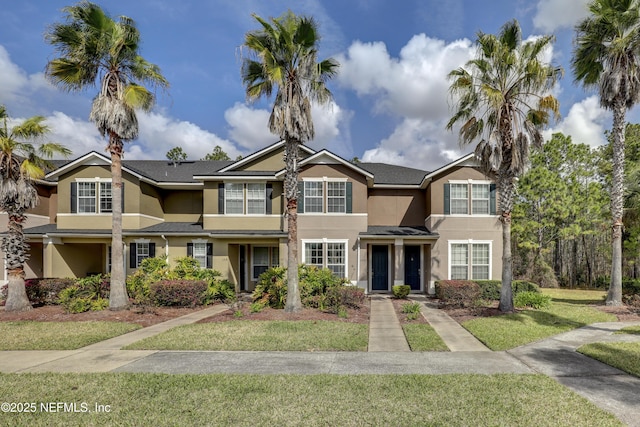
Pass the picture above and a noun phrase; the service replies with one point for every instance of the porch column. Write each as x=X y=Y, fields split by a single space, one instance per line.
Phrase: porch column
x=48 y=253
x=398 y=278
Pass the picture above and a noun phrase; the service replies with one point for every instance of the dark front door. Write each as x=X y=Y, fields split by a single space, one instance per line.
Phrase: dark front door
x=412 y=267
x=380 y=268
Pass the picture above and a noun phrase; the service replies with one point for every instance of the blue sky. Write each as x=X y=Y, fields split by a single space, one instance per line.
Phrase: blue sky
x=390 y=97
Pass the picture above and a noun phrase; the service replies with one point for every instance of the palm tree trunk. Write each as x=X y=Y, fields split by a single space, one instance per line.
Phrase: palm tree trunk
x=16 y=255
x=291 y=155
x=614 y=296
x=118 y=298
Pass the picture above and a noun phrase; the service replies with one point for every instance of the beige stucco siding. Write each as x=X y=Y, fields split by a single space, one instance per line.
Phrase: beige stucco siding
x=74 y=260
x=436 y=187
x=464 y=229
x=182 y=205
x=33 y=266
x=359 y=183
x=396 y=207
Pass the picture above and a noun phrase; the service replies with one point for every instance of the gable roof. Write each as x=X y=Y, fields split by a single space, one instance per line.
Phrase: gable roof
x=258 y=154
x=325 y=156
x=393 y=175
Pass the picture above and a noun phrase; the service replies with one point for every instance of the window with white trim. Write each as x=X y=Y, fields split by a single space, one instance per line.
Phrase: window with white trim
x=264 y=257
x=142 y=252
x=470 y=261
x=313 y=196
x=86 y=197
x=480 y=196
x=327 y=254
x=92 y=197
x=200 y=253
x=106 y=204
x=233 y=198
x=256 y=199
x=336 y=196
x=459 y=199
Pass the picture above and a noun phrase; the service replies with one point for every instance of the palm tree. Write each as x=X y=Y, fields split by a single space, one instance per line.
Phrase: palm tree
x=285 y=57
x=607 y=57
x=502 y=102
x=97 y=50
x=21 y=164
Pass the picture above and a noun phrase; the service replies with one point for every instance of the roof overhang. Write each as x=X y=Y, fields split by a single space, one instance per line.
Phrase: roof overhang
x=258 y=154
x=468 y=160
x=326 y=157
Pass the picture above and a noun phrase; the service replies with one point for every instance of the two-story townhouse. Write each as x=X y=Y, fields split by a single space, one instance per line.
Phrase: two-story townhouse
x=374 y=224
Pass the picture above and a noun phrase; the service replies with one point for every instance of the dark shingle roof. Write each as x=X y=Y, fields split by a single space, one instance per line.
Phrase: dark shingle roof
x=398 y=231
x=392 y=174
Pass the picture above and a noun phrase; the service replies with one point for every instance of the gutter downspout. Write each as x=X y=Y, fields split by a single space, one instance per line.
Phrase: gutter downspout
x=358 y=263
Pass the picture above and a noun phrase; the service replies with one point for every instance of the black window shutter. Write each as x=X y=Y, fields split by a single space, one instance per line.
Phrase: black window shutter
x=221 y=198
x=74 y=197
x=152 y=250
x=268 y=196
x=349 y=198
x=492 y=199
x=300 y=197
x=447 y=199
x=209 y=255
x=190 y=249
x=122 y=195
x=132 y=256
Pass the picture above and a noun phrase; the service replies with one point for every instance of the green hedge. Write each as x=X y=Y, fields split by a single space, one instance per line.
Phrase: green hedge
x=465 y=293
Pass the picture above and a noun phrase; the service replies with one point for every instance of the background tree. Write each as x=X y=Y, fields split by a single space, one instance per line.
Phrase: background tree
x=97 y=50
x=558 y=215
x=217 y=154
x=284 y=56
x=22 y=161
x=503 y=100
x=606 y=57
x=176 y=155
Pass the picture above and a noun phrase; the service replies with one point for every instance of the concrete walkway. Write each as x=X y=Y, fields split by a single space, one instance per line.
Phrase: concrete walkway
x=608 y=388
x=385 y=332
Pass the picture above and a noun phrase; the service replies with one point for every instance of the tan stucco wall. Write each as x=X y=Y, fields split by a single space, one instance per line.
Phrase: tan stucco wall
x=397 y=207
x=182 y=205
x=243 y=222
x=33 y=267
x=436 y=186
x=76 y=260
x=359 y=183
x=273 y=161
x=463 y=229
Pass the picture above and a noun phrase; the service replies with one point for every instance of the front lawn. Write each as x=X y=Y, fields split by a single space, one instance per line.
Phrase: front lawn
x=622 y=355
x=256 y=335
x=30 y=335
x=295 y=400
x=422 y=337
x=567 y=312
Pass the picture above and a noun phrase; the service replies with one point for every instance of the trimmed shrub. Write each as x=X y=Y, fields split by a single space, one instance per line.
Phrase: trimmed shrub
x=344 y=296
x=490 y=289
x=180 y=293
x=532 y=299
x=315 y=283
x=519 y=286
x=42 y=291
x=401 y=291
x=457 y=293
x=271 y=289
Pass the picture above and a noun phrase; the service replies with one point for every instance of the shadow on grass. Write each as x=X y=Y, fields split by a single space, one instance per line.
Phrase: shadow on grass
x=585 y=301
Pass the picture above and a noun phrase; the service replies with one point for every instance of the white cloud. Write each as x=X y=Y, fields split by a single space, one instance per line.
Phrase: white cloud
x=585 y=123
x=414 y=84
x=249 y=127
x=17 y=86
x=552 y=15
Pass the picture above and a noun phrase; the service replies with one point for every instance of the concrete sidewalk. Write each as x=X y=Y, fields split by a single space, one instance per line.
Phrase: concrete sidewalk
x=608 y=388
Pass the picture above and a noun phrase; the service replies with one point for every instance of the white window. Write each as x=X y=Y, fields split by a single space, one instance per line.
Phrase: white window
x=142 y=252
x=327 y=254
x=105 y=197
x=470 y=260
x=256 y=199
x=264 y=257
x=86 y=197
x=200 y=253
x=234 y=198
x=480 y=194
x=94 y=197
x=459 y=261
x=336 y=197
x=459 y=199
x=313 y=196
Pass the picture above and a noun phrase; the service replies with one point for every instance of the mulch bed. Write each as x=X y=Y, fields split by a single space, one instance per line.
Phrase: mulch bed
x=402 y=317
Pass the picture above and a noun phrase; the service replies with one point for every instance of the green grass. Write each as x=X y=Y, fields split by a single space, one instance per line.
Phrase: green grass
x=293 y=400
x=576 y=296
x=422 y=337
x=567 y=312
x=633 y=330
x=622 y=355
x=27 y=335
x=251 y=335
